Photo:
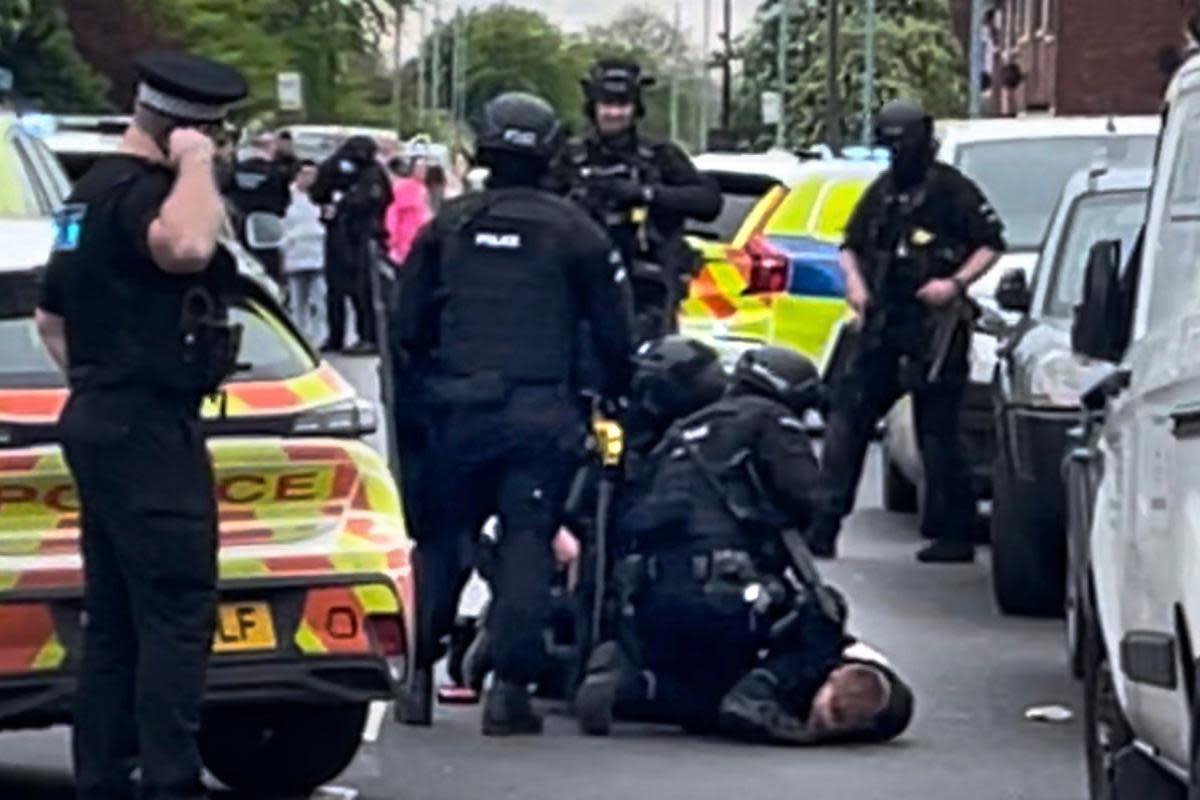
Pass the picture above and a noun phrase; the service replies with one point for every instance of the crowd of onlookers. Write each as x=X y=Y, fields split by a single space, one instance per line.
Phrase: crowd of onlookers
x=339 y=216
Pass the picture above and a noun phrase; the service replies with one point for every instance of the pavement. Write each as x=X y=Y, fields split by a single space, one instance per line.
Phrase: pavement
x=974 y=673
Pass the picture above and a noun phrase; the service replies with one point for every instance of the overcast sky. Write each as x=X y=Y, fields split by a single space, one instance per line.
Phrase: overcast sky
x=578 y=14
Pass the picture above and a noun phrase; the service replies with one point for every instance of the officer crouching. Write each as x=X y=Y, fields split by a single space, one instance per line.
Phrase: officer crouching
x=133 y=308
x=920 y=236
x=719 y=575
x=487 y=327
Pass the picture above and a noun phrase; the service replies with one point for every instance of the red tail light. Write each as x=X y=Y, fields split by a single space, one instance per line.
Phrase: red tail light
x=389 y=632
x=765 y=266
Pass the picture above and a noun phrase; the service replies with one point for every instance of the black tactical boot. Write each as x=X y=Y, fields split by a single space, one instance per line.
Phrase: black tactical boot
x=752 y=710
x=417 y=706
x=822 y=539
x=948 y=551
x=508 y=711
x=610 y=678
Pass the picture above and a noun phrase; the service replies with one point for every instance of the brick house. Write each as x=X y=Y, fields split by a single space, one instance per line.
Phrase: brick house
x=1082 y=56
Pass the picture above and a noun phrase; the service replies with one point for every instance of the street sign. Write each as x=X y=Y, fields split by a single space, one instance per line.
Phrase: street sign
x=291 y=91
x=772 y=108
x=6 y=80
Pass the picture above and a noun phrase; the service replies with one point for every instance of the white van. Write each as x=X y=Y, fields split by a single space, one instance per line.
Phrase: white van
x=1142 y=567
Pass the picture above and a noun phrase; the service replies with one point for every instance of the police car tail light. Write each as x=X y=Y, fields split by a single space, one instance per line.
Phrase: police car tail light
x=766 y=267
x=354 y=417
x=388 y=632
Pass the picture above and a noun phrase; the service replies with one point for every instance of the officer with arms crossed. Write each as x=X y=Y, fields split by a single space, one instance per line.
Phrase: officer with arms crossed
x=133 y=307
x=486 y=326
x=920 y=236
x=616 y=172
x=718 y=576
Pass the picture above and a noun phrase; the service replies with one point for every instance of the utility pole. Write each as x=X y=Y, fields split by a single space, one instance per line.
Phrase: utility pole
x=435 y=78
x=675 y=79
x=833 y=109
x=705 y=93
x=397 y=67
x=868 y=75
x=422 y=62
x=976 y=71
x=460 y=68
x=727 y=70
x=781 y=45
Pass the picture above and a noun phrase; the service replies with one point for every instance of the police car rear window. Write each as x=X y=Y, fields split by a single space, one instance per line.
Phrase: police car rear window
x=270 y=351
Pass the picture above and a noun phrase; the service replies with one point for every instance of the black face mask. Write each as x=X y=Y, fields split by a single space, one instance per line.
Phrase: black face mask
x=910 y=164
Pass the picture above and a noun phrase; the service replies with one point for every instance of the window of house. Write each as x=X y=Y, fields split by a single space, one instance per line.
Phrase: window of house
x=1051 y=20
x=1037 y=9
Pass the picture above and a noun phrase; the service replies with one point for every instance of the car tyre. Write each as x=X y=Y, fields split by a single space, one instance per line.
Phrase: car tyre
x=1105 y=728
x=1028 y=552
x=900 y=495
x=280 y=750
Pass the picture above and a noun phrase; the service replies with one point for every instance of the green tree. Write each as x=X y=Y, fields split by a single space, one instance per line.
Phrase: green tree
x=917 y=55
x=37 y=46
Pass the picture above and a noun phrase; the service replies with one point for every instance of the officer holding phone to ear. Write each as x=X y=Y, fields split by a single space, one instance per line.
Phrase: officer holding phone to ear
x=133 y=308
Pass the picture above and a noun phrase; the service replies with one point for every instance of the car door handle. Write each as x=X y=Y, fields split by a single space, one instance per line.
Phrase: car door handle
x=1185 y=421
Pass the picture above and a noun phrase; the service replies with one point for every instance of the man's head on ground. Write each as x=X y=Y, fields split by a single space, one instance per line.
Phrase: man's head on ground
x=306 y=175
x=862 y=701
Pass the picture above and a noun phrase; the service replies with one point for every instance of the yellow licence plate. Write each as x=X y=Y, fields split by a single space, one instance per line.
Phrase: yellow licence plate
x=242 y=627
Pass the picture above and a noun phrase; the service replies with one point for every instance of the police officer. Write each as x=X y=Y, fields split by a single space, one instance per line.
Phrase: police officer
x=486 y=325
x=133 y=307
x=920 y=236
x=642 y=190
x=707 y=528
x=259 y=185
x=355 y=191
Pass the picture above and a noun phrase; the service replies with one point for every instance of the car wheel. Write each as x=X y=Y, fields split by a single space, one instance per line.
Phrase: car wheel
x=280 y=749
x=899 y=493
x=1028 y=551
x=1105 y=728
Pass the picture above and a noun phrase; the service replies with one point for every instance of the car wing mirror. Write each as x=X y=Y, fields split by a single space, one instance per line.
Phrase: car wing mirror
x=264 y=231
x=1108 y=386
x=1013 y=292
x=1101 y=306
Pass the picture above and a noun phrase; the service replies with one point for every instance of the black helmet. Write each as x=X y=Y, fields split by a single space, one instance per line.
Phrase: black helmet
x=903 y=123
x=520 y=123
x=615 y=81
x=780 y=374
x=676 y=376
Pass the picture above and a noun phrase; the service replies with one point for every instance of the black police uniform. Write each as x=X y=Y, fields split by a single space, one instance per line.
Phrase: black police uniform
x=258 y=185
x=144 y=347
x=490 y=307
x=358 y=188
x=903 y=239
x=684 y=591
x=613 y=176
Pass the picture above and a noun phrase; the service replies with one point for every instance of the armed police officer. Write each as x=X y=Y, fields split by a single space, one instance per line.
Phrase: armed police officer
x=134 y=308
x=643 y=191
x=487 y=327
x=719 y=571
x=921 y=235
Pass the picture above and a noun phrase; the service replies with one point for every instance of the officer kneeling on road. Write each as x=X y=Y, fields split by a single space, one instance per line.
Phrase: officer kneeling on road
x=134 y=309
x=920 y=236
x=642 y=190
x=718 y=576
x=487 y=321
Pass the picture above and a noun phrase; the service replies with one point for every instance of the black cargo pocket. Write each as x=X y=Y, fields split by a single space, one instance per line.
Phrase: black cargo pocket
x=168 y=471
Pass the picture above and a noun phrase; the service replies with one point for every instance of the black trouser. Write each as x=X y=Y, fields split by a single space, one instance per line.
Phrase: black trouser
x=347 y=278
x=862 y=396
x=699 y=639
x=149 y=537
x=514 y=460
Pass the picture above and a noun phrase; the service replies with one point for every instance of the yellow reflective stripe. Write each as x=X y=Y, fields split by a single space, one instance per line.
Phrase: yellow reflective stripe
x=243 y=568
x=359 y=562
x=8 y=580
x=377 y=599
x=307 y=640
x=51 y=656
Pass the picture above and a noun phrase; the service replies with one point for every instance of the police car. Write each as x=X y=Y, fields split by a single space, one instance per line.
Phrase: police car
x=316 y=602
